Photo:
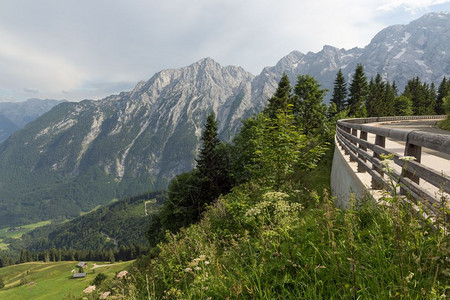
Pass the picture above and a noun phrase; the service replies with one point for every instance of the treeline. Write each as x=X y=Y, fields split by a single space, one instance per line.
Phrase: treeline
x=124 y=253
x=295 y=118
x=377 y=97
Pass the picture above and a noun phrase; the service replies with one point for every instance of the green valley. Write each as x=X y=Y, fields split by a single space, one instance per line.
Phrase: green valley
x=53 y=280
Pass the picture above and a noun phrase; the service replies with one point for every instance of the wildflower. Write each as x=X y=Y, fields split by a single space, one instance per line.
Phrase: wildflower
x=409 y=277
x=89 y=289
x=407 y=158
x=122 y=274
x=105 y=295
x=197 y=268
x=386 y=162
x=188 y=270
x=202 y=257
x=207 y=262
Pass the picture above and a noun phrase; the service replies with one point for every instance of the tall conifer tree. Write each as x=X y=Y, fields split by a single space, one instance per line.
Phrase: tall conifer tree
x=281 y=99
x=339 y=91
x=443 y=91
x=309 y=110
x=376 y=100
x=358 y=92
x=207 y=160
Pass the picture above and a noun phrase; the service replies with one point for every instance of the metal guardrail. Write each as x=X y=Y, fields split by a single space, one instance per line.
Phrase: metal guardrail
x=412 y=171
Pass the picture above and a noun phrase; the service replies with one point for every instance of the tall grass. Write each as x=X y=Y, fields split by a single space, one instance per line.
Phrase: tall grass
x=258 y=244
x=265 y=245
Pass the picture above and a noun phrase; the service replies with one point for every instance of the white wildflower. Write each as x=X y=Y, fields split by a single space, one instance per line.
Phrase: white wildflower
x=197 y=268
x=207 y=262
x=387 y=162
x=89 y=289
x=122 y=274
x=188 y=270
x=105 y=295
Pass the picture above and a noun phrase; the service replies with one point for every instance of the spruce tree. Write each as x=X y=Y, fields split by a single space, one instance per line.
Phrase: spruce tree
x=309 y=110
x=281 y=99
x=389 y=98
x=422 y=95
x=443 y=91
x=358 y=92
x=207 y=162
x=376 y=100
x=339 y=92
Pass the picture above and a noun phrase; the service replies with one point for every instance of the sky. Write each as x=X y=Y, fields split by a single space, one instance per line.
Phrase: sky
x=89 y=49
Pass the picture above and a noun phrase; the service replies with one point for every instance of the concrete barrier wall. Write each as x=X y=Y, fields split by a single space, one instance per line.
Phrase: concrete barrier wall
x=344 y=180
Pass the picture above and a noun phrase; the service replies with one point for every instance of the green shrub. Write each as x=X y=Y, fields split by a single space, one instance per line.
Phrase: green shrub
x=99 y=279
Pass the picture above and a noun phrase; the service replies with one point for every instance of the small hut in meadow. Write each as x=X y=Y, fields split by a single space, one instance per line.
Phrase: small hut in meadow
x=82 y=264
x=79 y=275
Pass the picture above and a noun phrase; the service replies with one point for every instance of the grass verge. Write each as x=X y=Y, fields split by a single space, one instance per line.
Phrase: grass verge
x=444 y=124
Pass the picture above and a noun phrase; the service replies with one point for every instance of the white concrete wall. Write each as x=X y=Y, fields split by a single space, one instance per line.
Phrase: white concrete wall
x=344 y=180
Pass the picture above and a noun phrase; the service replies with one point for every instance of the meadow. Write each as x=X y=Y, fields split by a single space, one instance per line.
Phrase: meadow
x=53 y=280
x=6 y=233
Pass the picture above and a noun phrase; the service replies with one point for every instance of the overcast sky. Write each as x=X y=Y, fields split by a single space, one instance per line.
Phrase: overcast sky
x=77 y=49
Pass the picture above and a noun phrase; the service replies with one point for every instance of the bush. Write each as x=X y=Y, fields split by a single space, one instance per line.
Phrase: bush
x=99 y=279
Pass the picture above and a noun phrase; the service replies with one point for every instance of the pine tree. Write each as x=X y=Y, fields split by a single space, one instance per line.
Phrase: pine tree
x=358 y=92
x=376 y=101
x=309 y=110
x=443 y=91
x=339 y=91
x=422 y=95
x=389 y=98
x=207 y=160
x=281 y=99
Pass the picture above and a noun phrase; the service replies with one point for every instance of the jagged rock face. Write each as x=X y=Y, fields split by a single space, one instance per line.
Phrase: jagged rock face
x=421 y=48
x=79 y=155
x=398 y=53
x=90 y=152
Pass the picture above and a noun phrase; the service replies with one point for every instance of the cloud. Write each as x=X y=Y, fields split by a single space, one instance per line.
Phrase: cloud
x=409 y=5
x=90 y=49
x=32 y=91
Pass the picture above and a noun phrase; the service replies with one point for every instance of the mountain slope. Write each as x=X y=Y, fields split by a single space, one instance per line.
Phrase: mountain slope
x=21 y=113
x=82 y=154
x=79 y=155
x=7 y=127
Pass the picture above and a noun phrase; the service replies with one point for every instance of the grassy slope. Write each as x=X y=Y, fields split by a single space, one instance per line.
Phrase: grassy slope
x=18 y=234
x=51 y=280
x=445 y=124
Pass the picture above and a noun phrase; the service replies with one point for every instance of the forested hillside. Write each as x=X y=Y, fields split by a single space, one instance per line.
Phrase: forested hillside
x=121 y=223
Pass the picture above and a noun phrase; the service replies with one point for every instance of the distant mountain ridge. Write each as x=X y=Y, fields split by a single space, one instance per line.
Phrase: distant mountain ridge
x=15 y=115
x=79 y=155
x=399 y=53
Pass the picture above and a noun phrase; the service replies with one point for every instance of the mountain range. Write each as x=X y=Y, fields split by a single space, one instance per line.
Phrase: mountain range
x=15 y=115
x=80 y=155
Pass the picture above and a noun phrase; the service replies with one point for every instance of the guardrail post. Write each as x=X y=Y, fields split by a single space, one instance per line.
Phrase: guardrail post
x=346 y=129
x=415 y=151
x=379 y=141
x=362 y=136
x=354 y=133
